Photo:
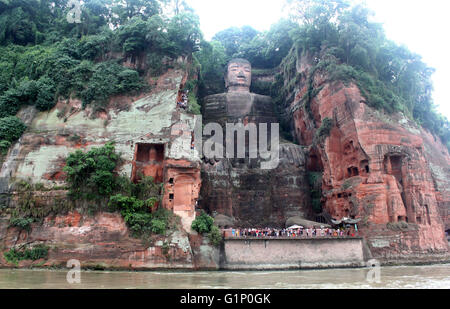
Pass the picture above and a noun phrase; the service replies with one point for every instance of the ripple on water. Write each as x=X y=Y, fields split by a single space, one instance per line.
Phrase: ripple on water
x=403 y=277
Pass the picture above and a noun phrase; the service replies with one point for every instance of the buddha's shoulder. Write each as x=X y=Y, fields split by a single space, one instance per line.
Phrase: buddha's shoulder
x=233 y=95
x=261 y=98
x=216 y=97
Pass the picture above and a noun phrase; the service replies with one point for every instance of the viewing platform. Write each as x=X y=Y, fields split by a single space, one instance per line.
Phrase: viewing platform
x=293 y=238
x=283 y=253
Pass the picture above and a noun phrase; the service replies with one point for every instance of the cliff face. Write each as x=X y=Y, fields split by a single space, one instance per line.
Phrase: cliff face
x=137 y=125
x=103 y=241
x=382 y=169
x=153 y=136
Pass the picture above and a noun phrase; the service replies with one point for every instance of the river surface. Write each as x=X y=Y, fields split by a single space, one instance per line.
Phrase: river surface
x=403 y=277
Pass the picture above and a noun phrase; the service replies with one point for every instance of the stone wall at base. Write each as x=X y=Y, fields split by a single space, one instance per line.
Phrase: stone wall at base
x=271 y=254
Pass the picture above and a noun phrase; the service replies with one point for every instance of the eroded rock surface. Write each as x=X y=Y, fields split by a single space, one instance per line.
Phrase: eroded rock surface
x=153 y=137
x=100 y=241
x=379 y=168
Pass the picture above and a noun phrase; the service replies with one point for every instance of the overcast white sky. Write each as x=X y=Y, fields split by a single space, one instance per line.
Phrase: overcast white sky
x=420 y=25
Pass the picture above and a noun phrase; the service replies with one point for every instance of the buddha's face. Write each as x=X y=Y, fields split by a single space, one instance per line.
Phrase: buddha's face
x=239 y=75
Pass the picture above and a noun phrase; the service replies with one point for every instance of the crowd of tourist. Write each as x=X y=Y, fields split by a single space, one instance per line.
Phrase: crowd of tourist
x=183 y=103
x=288 y=233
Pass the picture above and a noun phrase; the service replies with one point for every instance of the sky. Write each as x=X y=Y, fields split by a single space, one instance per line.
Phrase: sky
x=420 y=25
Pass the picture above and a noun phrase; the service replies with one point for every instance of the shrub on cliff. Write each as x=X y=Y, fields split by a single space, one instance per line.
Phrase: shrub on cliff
x=11 y=129
x=28 y=92
x=45 y=99
x=214 y=236
x=159 y=226
x=203 y=223
x=138 y=217
x=194 y=107
x=22 y=223
x=4 y=146
x=108 y=79
x=324 y=131
x=10 y=103
x=91 y=175
x=38 y=252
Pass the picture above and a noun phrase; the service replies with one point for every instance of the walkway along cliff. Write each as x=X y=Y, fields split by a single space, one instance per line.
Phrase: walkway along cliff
x=379 y=168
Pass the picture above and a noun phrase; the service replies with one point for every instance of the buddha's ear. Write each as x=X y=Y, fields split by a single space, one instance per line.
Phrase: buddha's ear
x=226 y=80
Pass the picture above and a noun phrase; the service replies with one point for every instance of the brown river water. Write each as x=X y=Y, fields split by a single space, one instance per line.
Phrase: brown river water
x=399 y=277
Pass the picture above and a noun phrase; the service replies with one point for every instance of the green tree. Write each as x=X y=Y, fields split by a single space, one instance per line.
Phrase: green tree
x=91 y=174
x=203 y=223
x=11 y=129
x=184 y=34
x=45 y=99
x=233 y=38
x=315 y=12
x=132 y=36
x=95 y=16
x=127 y=9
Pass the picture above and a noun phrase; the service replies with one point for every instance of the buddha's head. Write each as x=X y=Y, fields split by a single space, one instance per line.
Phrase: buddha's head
x=239 y=76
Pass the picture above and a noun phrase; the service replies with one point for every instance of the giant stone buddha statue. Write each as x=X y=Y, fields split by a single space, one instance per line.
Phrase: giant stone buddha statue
x=239 y=188
x=238 y=104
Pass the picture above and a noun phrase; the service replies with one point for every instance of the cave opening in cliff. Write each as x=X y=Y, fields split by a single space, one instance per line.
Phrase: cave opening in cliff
x=314 y=162
x=428 y=214
x=150 y=152
x=365 y=166
x=353 y=171
x=396 y=164
x=393 y=166
x=149 y=159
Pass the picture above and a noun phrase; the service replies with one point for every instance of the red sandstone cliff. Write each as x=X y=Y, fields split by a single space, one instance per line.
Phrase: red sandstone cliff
x=104 y=241
x=382 y=169
x=140 y=126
